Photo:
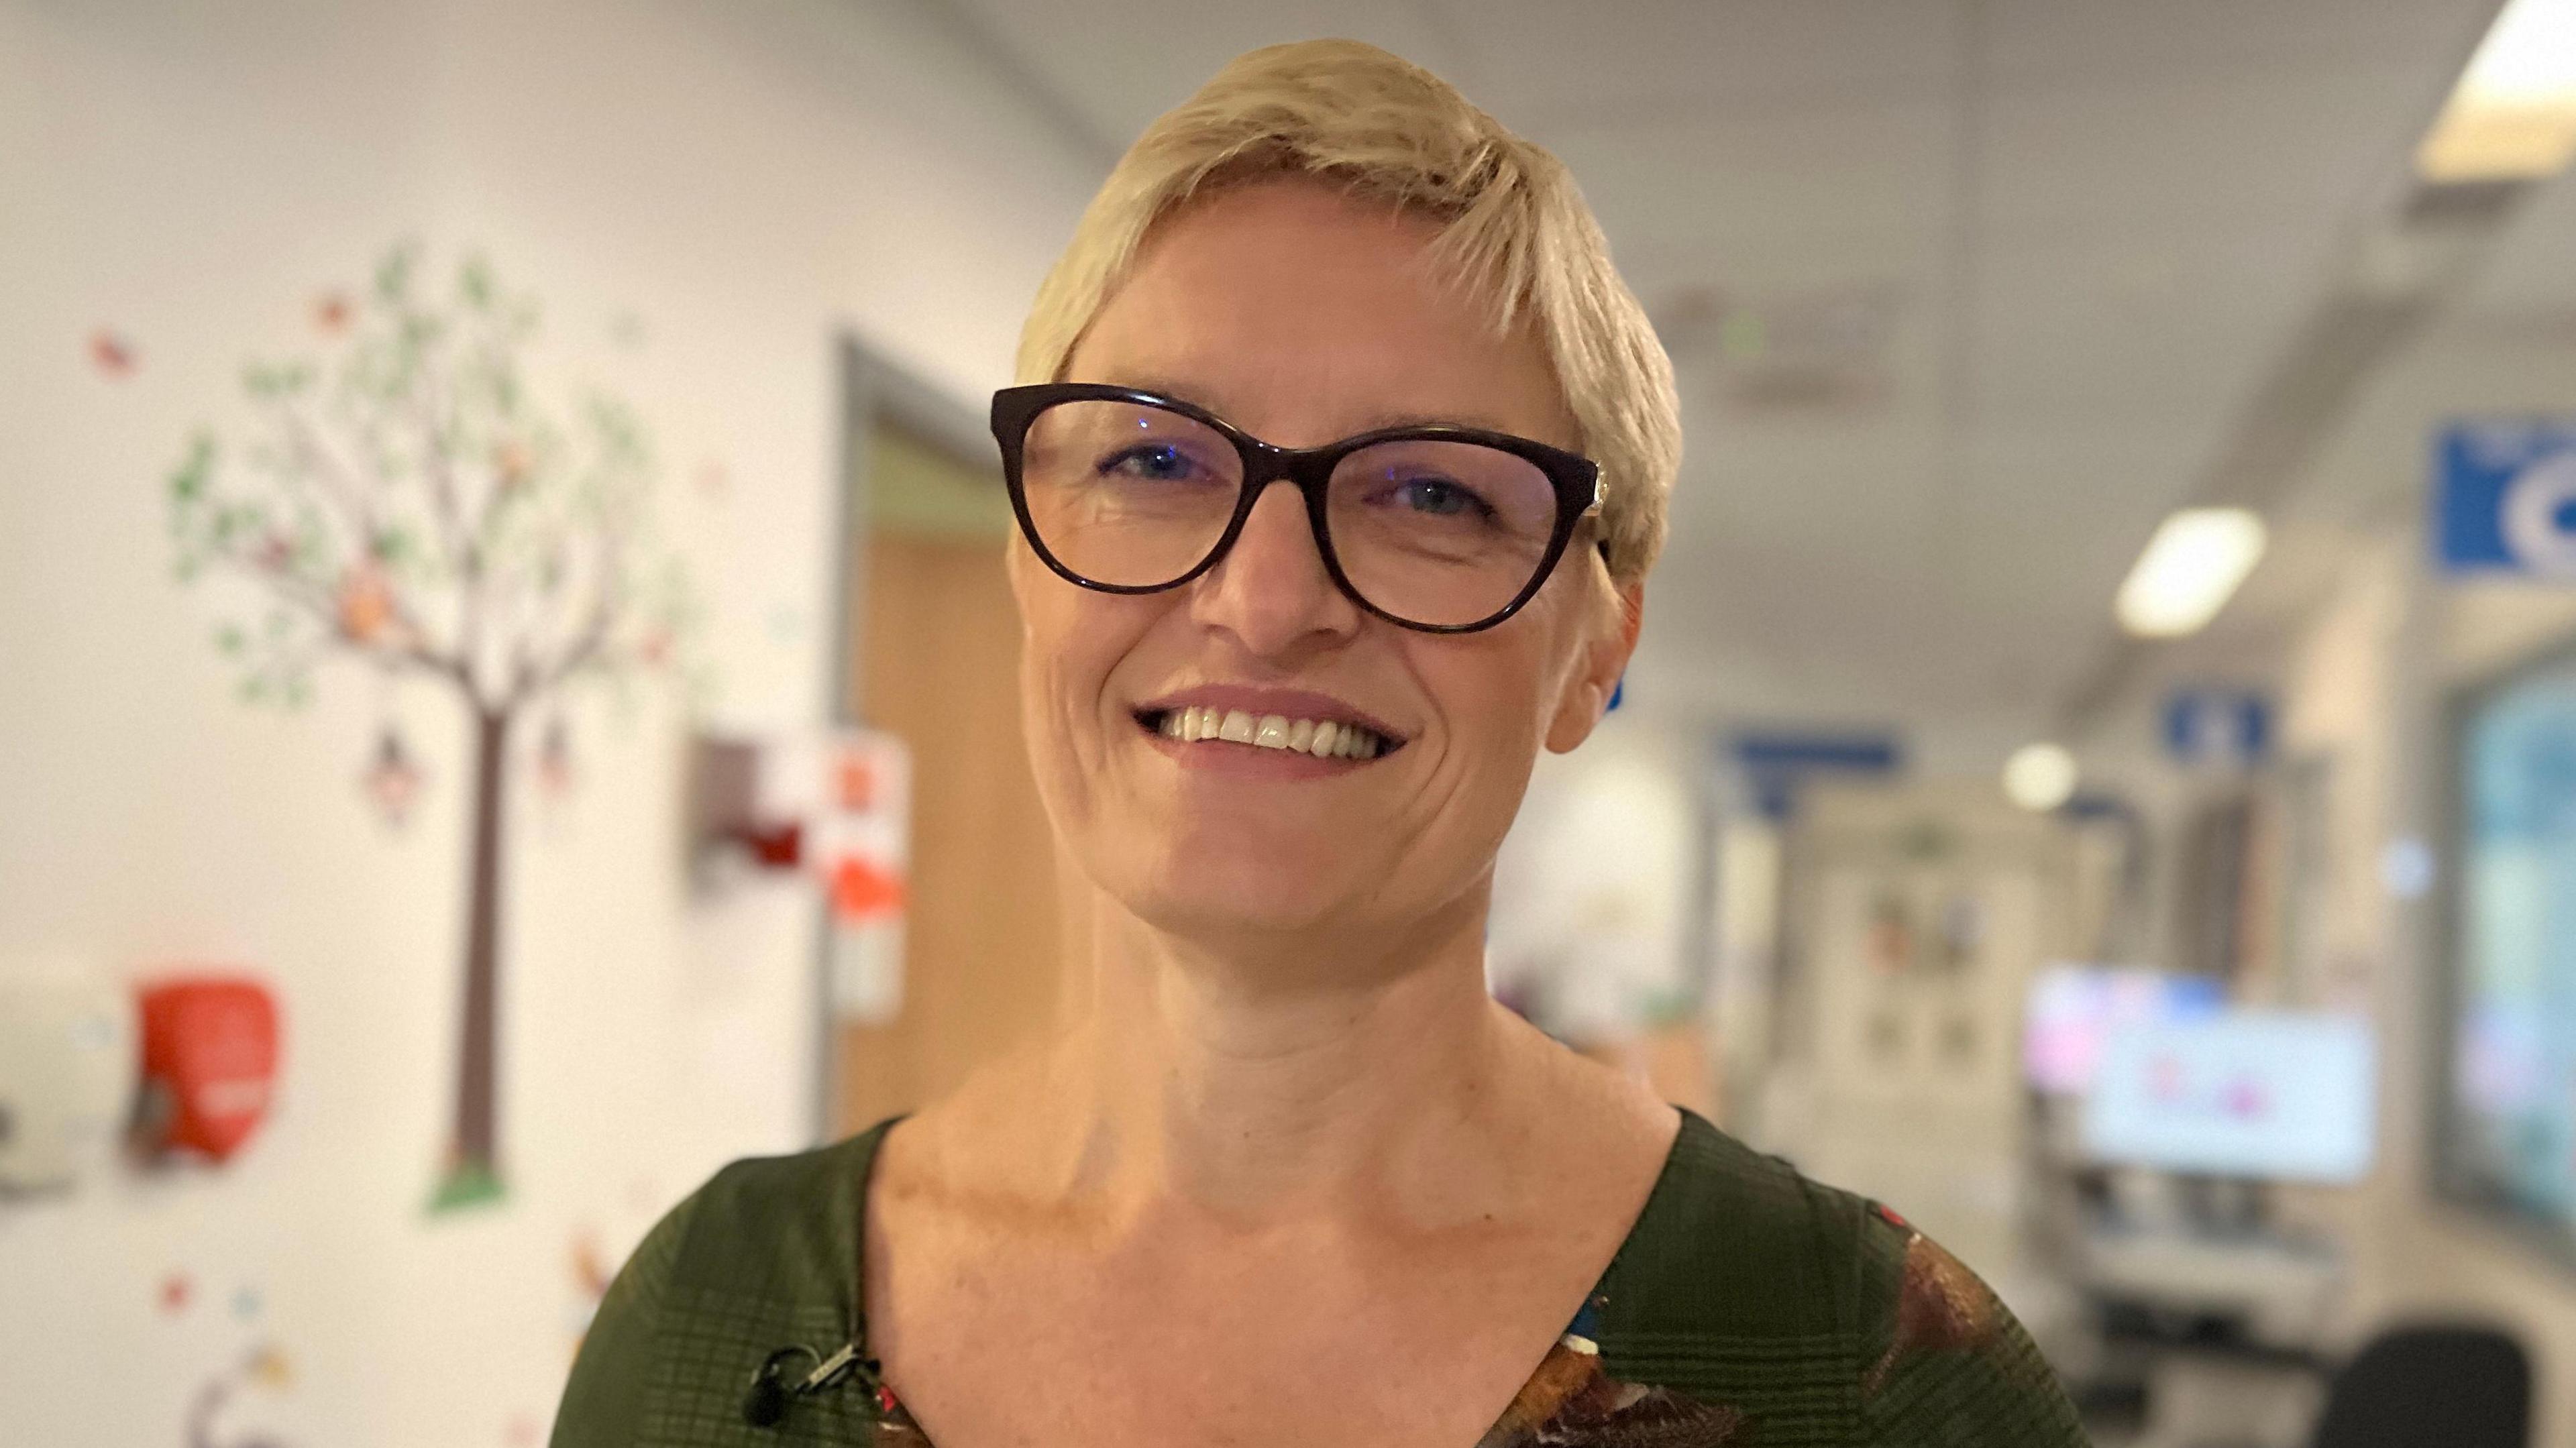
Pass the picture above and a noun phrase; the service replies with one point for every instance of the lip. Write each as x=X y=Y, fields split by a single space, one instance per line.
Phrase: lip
x=1257 y=700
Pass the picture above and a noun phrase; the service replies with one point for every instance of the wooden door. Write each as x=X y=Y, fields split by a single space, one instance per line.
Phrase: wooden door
x=938 y=664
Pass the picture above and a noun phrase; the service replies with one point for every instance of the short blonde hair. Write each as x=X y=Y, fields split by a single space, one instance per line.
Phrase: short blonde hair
x=1517 y=235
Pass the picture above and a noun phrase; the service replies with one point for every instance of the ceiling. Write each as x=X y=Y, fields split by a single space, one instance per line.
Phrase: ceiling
x=1964 y=294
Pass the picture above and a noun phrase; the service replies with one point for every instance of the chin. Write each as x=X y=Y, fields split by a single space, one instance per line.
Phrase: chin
x=1242 y=885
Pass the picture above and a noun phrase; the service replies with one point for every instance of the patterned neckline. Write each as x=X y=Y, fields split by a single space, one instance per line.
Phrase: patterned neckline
x=1568 y=1383
x=1568 y=1401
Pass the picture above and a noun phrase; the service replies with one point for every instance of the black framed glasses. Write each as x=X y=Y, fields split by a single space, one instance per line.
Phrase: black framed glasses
x=1442 y=529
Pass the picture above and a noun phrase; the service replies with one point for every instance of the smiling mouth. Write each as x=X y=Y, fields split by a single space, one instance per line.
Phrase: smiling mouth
x=1322 y=738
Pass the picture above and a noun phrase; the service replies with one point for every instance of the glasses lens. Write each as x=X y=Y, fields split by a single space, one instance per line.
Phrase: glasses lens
x=1440 y=533
x=1127 y=494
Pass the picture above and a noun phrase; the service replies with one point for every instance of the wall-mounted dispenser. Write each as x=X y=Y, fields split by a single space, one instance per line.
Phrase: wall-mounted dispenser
x=210 y=1060
x=66 y=1078
x=739 y=814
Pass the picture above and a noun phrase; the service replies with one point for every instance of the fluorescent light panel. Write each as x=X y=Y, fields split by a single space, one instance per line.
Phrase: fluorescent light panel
x=2189 y=570
x=2512 y=117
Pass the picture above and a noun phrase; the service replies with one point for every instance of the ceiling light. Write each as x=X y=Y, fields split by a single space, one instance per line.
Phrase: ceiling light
x=2039 y=777
x=2512 y=117
x=2194 y=562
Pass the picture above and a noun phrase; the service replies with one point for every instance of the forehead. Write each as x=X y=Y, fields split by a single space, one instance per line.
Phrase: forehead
x=1304 y=315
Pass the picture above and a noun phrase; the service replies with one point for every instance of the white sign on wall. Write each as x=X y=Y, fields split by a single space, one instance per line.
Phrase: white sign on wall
x=863 y=850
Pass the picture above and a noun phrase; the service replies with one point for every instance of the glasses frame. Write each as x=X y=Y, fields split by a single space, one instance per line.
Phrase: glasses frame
x=1576 y=479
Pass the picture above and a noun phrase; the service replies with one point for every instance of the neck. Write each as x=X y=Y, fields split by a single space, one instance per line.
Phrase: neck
x=1269 y=1080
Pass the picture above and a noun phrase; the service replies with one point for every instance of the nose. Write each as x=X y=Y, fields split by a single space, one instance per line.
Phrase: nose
x=1270 y=590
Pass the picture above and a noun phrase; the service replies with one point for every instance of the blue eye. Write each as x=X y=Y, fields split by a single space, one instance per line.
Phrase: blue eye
x=1439 y=497
x=1156 y=462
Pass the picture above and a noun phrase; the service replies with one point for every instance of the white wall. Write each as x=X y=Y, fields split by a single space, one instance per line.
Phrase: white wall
x=744 y=184
x=1596 y=885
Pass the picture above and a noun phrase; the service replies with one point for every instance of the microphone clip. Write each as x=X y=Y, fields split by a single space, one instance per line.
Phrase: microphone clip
x=773 y=1390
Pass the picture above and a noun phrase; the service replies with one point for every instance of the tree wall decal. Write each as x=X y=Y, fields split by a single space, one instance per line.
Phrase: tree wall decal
x=406 y=500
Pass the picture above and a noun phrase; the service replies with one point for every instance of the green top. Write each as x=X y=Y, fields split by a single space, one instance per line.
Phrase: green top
x=1748 y=1306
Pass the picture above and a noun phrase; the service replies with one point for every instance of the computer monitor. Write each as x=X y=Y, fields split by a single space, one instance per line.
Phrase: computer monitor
x=2266 y=1095
x=2073 y=1009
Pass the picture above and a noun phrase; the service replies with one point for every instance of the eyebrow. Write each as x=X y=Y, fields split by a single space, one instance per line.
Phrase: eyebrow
x=1376 y=422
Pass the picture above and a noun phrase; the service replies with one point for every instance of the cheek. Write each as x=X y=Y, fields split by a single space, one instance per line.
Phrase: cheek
x=1504 y=691
x=1055 y=666
x=1071 y=643
x=1493 y=699
x=1069 y=637
x=1491 y=702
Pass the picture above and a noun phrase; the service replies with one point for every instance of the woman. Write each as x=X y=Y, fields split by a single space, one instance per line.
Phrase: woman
x=1291 y=1177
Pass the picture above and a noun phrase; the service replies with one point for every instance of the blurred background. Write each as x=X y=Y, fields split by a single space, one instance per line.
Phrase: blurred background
x=506 y=692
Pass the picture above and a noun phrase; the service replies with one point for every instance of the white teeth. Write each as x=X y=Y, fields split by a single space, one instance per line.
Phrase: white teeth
x=1324 y=739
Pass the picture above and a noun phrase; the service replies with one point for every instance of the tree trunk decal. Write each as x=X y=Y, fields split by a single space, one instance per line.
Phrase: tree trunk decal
x=473 y=1156
x=408 y=501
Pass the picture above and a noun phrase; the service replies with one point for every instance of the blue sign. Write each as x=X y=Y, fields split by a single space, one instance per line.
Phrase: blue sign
x=2218 y=726
x=2504 y=497
x=1777 y=763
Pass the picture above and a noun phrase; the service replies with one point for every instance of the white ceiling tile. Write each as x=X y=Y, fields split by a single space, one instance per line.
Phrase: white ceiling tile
x=1765 y=176
x=1540 y=62
x=2126 y=333
x=2533 y=271
x=2297 y=148
x=2091 y=40
x=1122 y=63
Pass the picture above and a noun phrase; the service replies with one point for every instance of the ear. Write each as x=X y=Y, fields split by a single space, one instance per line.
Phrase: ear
x=1596 y=672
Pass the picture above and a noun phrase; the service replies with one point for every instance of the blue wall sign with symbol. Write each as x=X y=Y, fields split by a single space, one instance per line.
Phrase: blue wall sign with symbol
x=2228 y=727
x=2504 y=498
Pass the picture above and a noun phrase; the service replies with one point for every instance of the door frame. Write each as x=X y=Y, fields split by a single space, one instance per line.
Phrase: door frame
x=875 y=392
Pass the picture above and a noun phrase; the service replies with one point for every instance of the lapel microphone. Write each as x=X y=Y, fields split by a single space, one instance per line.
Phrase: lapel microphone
x=773 y=1391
